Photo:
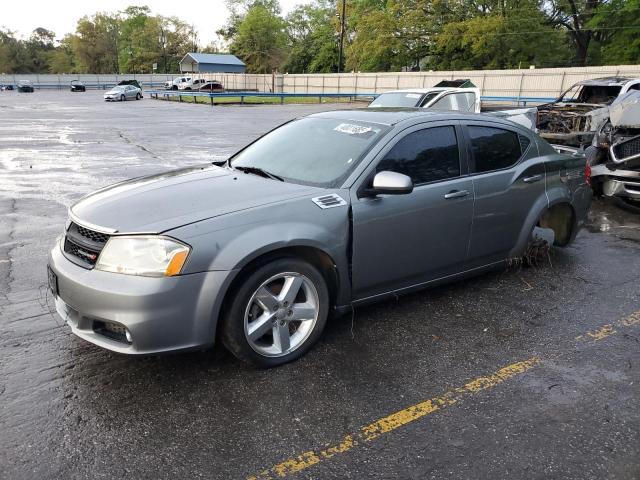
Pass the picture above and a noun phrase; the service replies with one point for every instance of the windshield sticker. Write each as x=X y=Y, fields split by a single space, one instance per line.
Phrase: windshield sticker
x=352 y=129
x=413 y=95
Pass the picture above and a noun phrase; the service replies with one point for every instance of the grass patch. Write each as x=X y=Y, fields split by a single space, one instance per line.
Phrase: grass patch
x=258 y=100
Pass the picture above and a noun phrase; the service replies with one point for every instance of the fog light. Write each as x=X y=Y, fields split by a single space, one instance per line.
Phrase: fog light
x=128 y=336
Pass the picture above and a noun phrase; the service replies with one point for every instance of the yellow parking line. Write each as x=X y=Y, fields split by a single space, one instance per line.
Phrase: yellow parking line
x=415 y=412
x=396 y=420
x=609 y=329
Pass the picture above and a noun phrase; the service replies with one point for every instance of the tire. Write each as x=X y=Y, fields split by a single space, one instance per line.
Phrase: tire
x=138 y=96
x=263 y=294
x=123 y=98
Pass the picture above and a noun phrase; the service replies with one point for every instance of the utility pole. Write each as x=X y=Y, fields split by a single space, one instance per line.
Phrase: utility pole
x=163 y=41
x=342 y=26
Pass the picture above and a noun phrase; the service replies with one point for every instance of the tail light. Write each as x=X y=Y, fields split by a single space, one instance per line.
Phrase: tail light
x=587 y=173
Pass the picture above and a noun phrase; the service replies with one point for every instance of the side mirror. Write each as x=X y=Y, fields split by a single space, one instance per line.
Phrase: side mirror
x=391 y=183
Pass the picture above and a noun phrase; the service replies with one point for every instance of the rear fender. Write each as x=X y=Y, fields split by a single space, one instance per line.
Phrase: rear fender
x=536 y=211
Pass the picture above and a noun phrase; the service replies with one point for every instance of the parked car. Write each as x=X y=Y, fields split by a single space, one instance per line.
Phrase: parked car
x=6 y=86
x=78 y=86
x=122 y=93
x=135 y=83
x=192 y=84
x=25 y=86
x=575 y=117
x=213 y=86
x=323 y=213
x=454 y=95
x=173 y=84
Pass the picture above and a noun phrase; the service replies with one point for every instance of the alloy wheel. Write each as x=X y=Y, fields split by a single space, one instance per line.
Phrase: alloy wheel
x=281 y=314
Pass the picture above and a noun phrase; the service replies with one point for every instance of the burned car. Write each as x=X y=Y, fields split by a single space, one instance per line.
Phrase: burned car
x=575 y=117
x=614 y=154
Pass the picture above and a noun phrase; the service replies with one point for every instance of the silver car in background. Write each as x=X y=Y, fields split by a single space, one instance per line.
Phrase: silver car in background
x=326 y=212
x=120 y=93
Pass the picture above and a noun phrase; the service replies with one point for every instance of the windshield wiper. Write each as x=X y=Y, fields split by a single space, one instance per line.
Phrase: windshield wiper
x=259 y=171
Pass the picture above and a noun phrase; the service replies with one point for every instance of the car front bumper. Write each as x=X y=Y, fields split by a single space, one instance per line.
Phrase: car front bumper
x=160 y=314
x=618 y=183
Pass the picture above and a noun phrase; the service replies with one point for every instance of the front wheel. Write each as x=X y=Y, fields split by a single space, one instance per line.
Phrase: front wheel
x=123 y=98
x=138 y=96
x=277 y=314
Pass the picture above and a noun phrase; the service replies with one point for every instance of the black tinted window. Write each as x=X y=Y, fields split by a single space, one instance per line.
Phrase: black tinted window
x=494 y=148
x=425 y=156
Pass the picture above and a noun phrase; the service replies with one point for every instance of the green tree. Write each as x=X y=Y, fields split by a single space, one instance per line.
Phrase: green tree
x=575 y=17
x=95 y=44
x=62 y=59
x=260 y=40
x=619 y=44
x=312 y=44
x=9 y=52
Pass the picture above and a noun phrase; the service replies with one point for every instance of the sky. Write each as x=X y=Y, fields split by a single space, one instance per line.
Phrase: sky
x=61 y=16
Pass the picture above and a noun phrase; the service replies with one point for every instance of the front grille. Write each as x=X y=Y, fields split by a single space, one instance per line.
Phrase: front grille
x=627 y=149
x=83 y=246
x=84 y=254
x=92 y=235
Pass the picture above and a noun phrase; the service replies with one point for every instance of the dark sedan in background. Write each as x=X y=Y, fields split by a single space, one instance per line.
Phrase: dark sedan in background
x=25 y=86
x=78 y=86
x=323 y=213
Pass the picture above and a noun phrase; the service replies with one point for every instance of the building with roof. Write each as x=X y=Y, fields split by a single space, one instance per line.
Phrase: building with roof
x=211 y=63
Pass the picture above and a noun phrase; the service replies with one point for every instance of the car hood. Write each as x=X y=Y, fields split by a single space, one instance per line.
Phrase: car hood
x=169 y=200
x=114 y=92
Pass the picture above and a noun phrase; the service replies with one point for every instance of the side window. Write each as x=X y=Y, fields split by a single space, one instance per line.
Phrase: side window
x=445 y=103
x=635 y=86
x=466 y=101
x=495 y=148
x=425 y=156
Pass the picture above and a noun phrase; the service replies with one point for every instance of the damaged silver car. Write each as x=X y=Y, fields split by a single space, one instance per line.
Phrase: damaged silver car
x=614 y=154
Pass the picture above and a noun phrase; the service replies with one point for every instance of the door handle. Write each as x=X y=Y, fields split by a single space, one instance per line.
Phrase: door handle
x=456 y=194
x=532 y=179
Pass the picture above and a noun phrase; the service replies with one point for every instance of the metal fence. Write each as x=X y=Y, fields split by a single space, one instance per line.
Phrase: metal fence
x=541 y=83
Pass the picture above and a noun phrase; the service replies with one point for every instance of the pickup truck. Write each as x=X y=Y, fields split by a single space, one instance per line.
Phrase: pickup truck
x=448 y=96
x=173 y=84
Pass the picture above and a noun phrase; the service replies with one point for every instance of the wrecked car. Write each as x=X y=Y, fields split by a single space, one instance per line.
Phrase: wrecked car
x=575 y=117
x=614 y=154
x=324 y=213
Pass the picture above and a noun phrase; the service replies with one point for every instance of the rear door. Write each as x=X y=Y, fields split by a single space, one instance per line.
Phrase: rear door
x=507 y=178
x=404 y=240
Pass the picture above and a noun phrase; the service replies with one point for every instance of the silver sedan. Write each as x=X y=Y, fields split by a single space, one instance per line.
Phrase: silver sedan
x=123 y=92
x=326 y=212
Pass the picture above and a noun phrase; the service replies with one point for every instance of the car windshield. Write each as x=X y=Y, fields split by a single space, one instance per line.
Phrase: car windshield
x=397 y=99
x=312 y=151
x=595 y=94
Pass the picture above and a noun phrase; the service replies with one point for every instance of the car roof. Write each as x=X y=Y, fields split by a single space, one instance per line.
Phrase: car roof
x=420 y=90
x=392 y=116
x=607 y=81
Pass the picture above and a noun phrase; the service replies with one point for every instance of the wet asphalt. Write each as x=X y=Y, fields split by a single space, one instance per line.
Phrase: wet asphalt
x=69 y=409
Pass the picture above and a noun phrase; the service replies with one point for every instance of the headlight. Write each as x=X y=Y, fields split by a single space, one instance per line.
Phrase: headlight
x=143 y=255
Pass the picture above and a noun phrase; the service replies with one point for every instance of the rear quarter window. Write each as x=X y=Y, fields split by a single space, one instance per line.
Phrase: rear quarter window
x=495 y=148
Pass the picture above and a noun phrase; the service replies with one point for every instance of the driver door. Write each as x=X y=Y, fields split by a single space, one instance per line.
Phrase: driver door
x=405 y=240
